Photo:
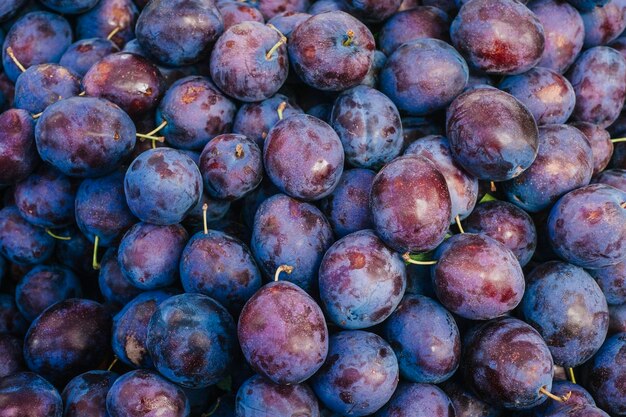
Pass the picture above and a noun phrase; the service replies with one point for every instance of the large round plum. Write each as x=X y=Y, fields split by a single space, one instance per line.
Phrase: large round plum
x=258 y=397
x=29 y=395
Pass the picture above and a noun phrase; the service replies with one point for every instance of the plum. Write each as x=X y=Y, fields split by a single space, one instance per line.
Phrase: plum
x=85 y=395
x=465 y=402
x=611 y=280
x=271 y=8
x=115 y=288
x=418 y=400
x=11 y=351
x=84 y=53
x=10 y=8
x=11 y=320
x=28 y=394
x=258 y=397
x=110 y=19
x=604 y=24
x=417 y=23
x=44 y=84
x=605 y=375
x=578 y=398
x=613 y=177
x=601 y=145
x=617 y=319
x=373 y=11
x=239 y=12
x=18 y=153
x=20 y=241
x=287 y=22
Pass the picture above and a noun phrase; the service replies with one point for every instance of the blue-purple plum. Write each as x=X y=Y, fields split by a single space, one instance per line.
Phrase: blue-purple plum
x=331 y=51
x=498 y=150
x=46 y=198
x=373 y=75
x=587 y=5
x=613 y=177
x=359 y=376
x=216 y=212
x=258 y=397
x=323 y=6
x=373 y=11
x=578 y=398
x=143 y=393
x=84 y=53
x=149 y=254
x=287 y=22
x=234 y=13
x=599 y=80
x=28 y=394
x=498 y=36
x=162 y=186
x=601 y=145
x=18 y=153
x=439 y=75
x=101 y=209
x=43 y=286
x=426 y=354
x=85 y=395
x=220 y=266
x=44 y=84
x=417 y=23
x=106 y=17
x=506 y=223
x=195 y=112
x=283 y=333
x=314 y=174
x=20 y=241
x=130 y=328
x=477 y=277
x=76 y=252
x=418 y=400
x=11 y=320
x=85 y=136
x=35 y=38
x=253 y=200
x=612 y=281
x=249 y=62
x=587 y=227
x=191 y=339
x=465 y=402
x=10 y=8
x=617 y=319
x=12 y=357
x=564 y=162
x=70 y=6
x=361 y=281
x=410 y=204
x=605 y=375
x=369 y=126
x=271 y=8
x=115 y=288
x=67 y=339
x=604 y=24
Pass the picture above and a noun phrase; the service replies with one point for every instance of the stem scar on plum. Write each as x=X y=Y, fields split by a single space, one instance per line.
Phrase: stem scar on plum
x=239 y=151
x=283 y=268
x=349 y=38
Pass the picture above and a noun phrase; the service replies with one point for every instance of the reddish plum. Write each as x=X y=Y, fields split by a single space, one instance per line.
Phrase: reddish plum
x=258 y=397
x=28 y=394
x=603 y=24
x=18 y=154
x=601 y=145
x=416 y=23
x=418 y=400
x=20 y=241
x=110 y=18
x=83 y=54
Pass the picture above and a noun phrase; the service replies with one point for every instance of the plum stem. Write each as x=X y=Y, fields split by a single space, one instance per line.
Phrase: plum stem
x=152 y=138
x=281 y=108
x=560 y=399
x=349 y=38
x=623 y=205
x=572 y=377
x=457 y=219
x=115 y=359
x=113 y=33
x=618 y=140
x=48 y=231
x=239 y=151
x=205 y=208
x=283 y=268
x=157 y=129
x=407 y=258
x=281 y=41
x=37 y=116
x=14 y=59
x=214 y=409
x=82 y=93
x=94 y=261
x=264 y=135
x=493 y=187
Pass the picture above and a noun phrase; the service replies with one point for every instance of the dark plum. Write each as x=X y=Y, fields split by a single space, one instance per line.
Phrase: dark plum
x=255 y=120
x=359 y=376
x=44 y=84
x=231 y=166
x=249 y=62
x=477 y=277
x=604 y=24
x=465 y=402
x=587 y=227
x=605 y=375
x=373 y=11
x=427 y=354
x=12 y=358
x=130 y=328
x=546 y=93
x=361 y=281
x=417 y=23
x=410 y=204
x=347 y=207
x=601 y=145
x=10 y=8
x=287 y=22
x=498 y=36
x=69 y=338
x=18 y=154
x=101 y=209
x=554 y=291
x=438 y=74
x=253 y=200
x=564 y=33
x=582 y=411
x=258 y=397
x=11 y=320
x=587 y=5
x=29 y=395
x=463 y=187
x=191 y=339
x=162 y=186
x=369 y=126
x=283 y=334
x=418 y=400
x=69 y=6
x=115 y=288
x=84 y=136
x=507 y=363
x=331 y=51
x=81 y=55
x=497 y=150
x=303 y=157
x=239 y=12
x=46 y=198
x=599 y=80
x=564 y=162
x=36 y=38
x=617 y=319
x=128 y=80
x=220 y=266
x=271 y=8
x=110 y=19
x=507 y=224
x=144 y=393
x=372 y=78
x=323 y=6
x=195 y=112
x=43 y=286
x=20 y=241
x=85 y=395
x=612 y=281
x=613 y=177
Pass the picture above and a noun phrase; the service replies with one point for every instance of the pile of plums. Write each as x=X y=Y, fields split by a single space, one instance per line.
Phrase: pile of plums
x=300 y=208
